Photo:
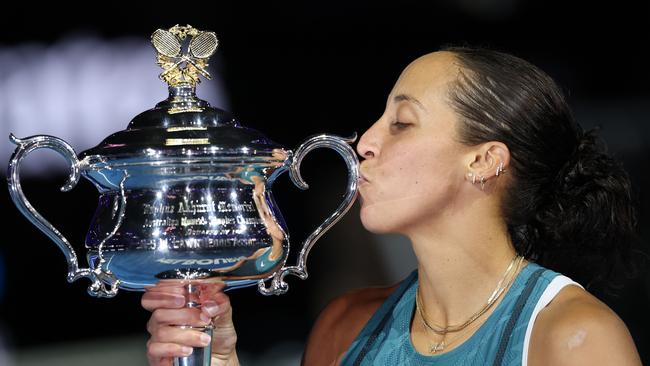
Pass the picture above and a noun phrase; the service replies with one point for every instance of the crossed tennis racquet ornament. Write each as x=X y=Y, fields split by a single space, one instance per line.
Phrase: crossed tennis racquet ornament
x=184 y=66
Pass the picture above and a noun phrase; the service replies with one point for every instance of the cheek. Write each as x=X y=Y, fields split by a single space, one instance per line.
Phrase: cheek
x=411 y=190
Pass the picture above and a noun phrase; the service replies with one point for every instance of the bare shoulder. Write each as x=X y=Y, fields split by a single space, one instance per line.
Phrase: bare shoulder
x=576 y=328
x=340 y=322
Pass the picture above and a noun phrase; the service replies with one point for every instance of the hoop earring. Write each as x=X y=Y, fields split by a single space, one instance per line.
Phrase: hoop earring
x=482 y=182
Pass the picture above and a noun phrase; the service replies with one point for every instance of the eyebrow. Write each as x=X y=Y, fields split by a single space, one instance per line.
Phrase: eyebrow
x=408 y=98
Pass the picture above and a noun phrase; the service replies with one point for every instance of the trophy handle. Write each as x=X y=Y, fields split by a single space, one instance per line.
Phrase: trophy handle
x=26 y=146
x=342 y=146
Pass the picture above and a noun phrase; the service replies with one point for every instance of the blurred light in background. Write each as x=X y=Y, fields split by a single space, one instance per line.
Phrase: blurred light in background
x=80 y=89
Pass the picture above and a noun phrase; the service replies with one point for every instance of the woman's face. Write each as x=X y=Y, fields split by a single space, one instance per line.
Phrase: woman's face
x=413 y=168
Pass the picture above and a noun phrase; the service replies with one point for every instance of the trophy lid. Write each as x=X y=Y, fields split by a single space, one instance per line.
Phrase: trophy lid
x=183 y=124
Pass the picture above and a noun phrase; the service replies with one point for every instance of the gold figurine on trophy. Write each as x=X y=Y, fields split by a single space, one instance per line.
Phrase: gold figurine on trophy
x=183 y=66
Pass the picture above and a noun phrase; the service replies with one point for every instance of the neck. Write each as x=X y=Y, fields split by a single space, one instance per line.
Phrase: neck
x=459 y=269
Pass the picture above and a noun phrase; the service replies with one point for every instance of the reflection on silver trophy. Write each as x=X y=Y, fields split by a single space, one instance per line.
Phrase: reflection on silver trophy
x=185 y=192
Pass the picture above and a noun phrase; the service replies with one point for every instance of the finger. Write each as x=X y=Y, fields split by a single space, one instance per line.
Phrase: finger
x=170 y=287
x=217 y=309
x=223 y=301
x=154 y=300
x=209 y=290
x=185 y=316
x=157 y=350
x=214 y=294
x=157 y=361
x=184 y=337
x=211 y=309
x=174 y=286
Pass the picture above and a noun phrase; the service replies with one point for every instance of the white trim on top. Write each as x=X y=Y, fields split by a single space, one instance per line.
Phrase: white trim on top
x=553 y=288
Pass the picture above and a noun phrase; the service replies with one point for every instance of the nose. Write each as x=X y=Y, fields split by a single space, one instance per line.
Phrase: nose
x=367 y=146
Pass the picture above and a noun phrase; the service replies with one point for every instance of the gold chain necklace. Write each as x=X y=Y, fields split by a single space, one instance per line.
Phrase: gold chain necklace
x=446 y=341
x=498 y=291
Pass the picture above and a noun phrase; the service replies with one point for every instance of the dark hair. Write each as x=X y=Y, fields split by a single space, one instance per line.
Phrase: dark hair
x=569 y=205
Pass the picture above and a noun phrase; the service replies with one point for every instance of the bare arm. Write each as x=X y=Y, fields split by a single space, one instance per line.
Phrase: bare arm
x=578 y=329
x=339 y=324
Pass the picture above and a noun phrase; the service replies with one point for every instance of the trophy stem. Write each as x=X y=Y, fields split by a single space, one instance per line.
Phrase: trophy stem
x=200 y=356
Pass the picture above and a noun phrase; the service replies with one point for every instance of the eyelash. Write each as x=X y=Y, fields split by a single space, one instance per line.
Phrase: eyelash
x=400 y=125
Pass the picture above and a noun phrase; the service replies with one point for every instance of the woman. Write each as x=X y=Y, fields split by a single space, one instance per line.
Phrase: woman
x=478 y=161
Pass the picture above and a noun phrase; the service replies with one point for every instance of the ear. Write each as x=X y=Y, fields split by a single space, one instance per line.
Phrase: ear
x=486 y=160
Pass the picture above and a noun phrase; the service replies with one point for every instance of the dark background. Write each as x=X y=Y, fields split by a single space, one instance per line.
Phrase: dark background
x=296 y=70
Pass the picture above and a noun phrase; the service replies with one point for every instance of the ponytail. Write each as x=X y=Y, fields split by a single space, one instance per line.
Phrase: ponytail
x=585 y=226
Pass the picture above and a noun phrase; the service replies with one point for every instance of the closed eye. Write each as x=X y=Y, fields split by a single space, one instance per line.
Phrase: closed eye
x=399 y=125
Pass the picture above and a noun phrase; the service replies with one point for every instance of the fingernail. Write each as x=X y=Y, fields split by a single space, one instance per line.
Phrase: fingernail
x=205 y=318
x=205 y=339
x=179 y=301
x=211 y=308
x=186 y=350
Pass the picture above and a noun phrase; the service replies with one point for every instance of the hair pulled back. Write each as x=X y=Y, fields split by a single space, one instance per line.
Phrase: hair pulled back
x=569 y=205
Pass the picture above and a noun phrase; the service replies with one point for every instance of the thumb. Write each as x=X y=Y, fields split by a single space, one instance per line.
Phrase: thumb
x=218 y=310
x=224 y=336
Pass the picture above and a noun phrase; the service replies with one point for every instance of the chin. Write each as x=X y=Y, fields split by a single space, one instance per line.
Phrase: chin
x=376 y=224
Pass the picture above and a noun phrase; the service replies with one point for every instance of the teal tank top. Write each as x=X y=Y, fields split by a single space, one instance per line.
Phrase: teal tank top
x=501 y=340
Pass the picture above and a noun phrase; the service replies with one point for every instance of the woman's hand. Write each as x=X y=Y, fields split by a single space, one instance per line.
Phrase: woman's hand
x=167 y=304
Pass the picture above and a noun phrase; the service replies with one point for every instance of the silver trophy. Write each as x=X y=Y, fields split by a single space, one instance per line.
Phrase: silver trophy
x=185 y=192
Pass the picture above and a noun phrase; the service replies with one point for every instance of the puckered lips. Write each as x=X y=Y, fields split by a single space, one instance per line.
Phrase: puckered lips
x=362 y=179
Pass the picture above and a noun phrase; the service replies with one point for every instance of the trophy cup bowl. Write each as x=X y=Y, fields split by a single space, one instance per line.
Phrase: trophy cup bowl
x=184 y=192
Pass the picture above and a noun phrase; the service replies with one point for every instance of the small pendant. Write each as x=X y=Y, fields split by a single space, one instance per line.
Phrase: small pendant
x=437 y=347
